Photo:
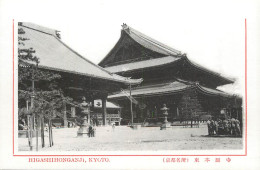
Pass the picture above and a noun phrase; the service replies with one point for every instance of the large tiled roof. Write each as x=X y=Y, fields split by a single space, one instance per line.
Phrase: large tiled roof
x=168 y=88
x=56 y=55
x=142 y=64
x=210 y=91
x=170 y=55
x=157 y=62
x=157 y=89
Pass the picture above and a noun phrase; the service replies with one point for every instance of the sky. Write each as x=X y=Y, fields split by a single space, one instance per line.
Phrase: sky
x=211 y=33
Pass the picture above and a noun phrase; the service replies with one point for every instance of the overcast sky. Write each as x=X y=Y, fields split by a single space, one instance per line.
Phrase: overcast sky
x=212 y=33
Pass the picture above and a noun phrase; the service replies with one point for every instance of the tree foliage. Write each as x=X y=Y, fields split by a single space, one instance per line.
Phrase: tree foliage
x=48 y=94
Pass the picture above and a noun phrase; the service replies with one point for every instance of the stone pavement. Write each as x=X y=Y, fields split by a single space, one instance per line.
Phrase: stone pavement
x=145 y=138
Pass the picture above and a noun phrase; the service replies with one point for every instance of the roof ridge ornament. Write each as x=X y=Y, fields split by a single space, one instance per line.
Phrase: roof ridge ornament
x=58 y=34
x=126 y=28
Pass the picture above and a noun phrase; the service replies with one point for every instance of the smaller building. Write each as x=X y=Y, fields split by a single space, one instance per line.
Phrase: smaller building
x=113 y=113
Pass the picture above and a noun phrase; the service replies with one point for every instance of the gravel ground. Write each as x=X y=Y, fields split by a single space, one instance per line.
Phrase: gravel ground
x=145 y=138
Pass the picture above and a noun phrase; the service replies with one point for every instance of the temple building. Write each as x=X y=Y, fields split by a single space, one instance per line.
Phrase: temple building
x=79 y=76
x=169 y=77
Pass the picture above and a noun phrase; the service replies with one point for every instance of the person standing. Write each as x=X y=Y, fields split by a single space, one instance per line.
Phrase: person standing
x=94 y=131
x=90 y=131
x=233 y=126
x=216 y=125
x=225 y=125
x=212 y=127
x=113 y=127
x=238 y=127
x=209 y=127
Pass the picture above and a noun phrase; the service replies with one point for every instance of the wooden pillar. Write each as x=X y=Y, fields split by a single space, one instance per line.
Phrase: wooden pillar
x=65 y=115
x=131 y=106
x=28 y=125
x=104 y=110
x=89 y=118
x=155 y=111
x=73 y=111
x=119 y=113
x=92 y=113
x=42 y=131
x=33 y=115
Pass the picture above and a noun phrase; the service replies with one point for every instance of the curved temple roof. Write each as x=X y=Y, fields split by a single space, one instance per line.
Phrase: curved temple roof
x=56 y=55
x=158 y=62
x=142 y=64
x=177 y=86
x=170 y=55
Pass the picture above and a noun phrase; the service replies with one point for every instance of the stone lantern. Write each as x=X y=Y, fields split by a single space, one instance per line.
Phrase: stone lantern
x=84 y=127
x=165 y=124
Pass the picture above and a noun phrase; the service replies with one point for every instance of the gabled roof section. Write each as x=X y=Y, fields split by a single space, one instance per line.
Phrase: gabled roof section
x=149 y=42
x=56 y=55
x=139 y=45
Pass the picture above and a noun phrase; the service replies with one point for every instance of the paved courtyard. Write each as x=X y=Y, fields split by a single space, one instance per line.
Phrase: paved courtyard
x=145 y=138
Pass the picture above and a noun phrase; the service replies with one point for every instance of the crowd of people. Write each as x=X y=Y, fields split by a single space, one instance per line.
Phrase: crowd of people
x=224 y=127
